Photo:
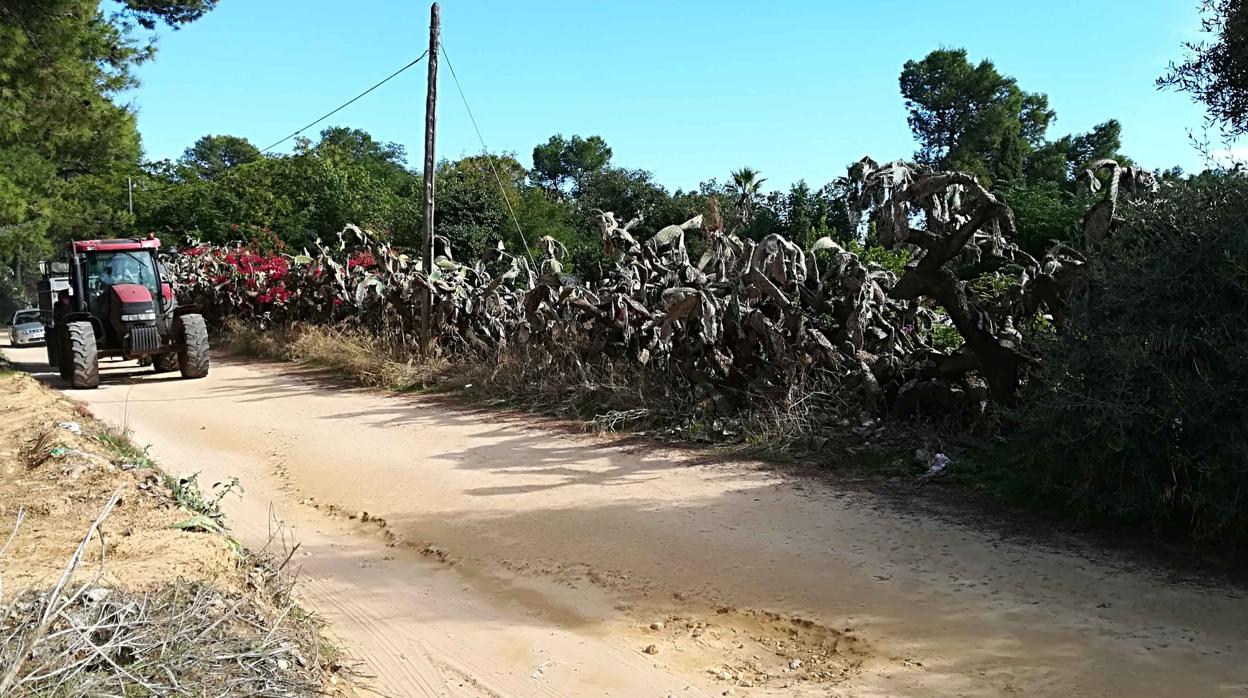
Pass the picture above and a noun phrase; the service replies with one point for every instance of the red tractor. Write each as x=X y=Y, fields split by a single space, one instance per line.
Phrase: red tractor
x=116 y=303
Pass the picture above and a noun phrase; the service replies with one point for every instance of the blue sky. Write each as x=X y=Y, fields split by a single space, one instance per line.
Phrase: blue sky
x=689 y=90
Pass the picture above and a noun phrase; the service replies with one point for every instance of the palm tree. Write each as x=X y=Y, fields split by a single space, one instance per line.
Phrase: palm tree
x=746 y=186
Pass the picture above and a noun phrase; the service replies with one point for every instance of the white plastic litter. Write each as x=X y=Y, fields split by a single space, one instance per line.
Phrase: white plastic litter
x=541 y=668
x=939 y=462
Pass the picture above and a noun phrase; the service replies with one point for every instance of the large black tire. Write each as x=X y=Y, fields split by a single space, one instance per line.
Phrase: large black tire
x=193 y=356
x=51 y=342
x=84 y=359
x=163 y=363
x=64 y=366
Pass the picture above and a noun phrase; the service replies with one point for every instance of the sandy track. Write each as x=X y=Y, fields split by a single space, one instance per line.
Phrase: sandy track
x=506 y=548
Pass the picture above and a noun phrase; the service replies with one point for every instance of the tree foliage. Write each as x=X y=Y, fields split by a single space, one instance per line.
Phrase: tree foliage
x=66 y=148
x=1215 y=72
x=222 y=185
x=211 y=156
x=471 y=211
x=1061 y=160
x=562 y=162
x=746 y=187
x=385 y=161
x=174 y=13
x=971 y=117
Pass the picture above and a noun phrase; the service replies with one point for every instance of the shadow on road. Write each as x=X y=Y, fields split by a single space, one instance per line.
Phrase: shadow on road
x=113 y=371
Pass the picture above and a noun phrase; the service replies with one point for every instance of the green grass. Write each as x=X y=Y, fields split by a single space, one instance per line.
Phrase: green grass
x=204 y=507
x=122 y=449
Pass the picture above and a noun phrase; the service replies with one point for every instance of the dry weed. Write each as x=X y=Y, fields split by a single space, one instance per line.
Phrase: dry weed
x=179 y=638
x=361 y=356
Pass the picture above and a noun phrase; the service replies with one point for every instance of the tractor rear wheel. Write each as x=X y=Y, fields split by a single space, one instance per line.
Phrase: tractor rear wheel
x=83 y=358
x=193 y=356
x=163 y=363
x=64 y=354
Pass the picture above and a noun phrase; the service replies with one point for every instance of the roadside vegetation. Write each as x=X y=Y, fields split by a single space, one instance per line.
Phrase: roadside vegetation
x=118 y=578
x=1138 y=414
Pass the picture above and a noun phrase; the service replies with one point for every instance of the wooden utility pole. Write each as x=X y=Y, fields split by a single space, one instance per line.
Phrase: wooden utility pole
x=431 y=127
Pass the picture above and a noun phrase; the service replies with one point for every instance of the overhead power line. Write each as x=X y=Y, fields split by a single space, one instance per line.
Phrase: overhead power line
x=348 y=103
x=489 y=158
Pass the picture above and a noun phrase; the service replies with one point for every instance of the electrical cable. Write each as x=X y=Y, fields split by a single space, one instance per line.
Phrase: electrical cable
x=489 y=158
x=348 y=102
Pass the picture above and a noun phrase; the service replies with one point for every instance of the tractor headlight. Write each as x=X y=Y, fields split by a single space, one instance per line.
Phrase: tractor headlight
x=150 y=315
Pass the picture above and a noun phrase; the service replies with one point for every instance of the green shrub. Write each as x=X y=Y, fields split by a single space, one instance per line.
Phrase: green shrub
x=1045 y=213
x=892 y=260
x=1140 y=413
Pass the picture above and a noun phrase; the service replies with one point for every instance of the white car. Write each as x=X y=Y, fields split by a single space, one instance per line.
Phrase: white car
x=25 y=328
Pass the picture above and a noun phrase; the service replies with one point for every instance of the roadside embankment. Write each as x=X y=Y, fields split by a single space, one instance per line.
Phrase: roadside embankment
x=113 y=573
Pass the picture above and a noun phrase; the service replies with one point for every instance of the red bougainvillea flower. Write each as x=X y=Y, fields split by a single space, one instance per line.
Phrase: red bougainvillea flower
x=276 y=294
x=363 y=260
x=276 y=267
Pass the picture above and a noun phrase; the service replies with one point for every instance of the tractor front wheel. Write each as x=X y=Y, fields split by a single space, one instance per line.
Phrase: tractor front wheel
x=163 y=363
x=83 y=359
x=193 y=355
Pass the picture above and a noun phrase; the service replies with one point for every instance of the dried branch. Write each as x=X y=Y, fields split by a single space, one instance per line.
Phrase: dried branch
x=54 y=604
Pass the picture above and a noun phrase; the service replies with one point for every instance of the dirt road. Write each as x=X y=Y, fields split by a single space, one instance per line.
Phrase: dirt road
x=495 y=557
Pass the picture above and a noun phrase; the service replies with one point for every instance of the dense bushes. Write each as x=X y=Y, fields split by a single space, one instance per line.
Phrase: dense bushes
x=1141 y=411
x=1132 y=406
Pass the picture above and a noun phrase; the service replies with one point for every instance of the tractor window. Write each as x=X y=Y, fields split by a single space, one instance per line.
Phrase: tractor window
x=106 y=269
x=111 y=268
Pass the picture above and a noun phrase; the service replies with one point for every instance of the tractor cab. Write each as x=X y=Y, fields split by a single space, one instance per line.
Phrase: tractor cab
x=118 y=282
x=117 y=304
